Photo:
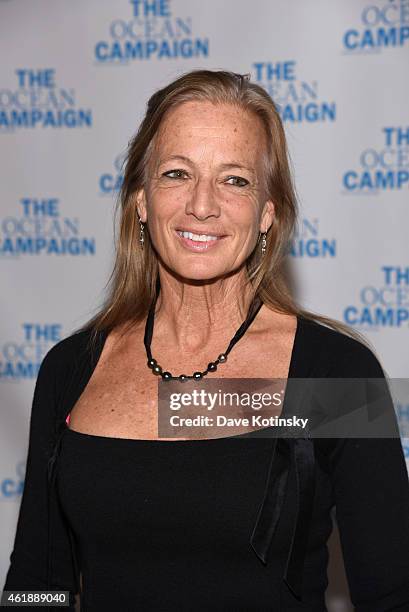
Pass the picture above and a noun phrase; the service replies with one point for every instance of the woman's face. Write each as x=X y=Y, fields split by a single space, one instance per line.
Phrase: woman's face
x=204 y=203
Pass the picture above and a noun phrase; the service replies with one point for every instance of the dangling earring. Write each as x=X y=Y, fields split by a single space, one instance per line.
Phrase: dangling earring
x=263 y=243
x=141 y=235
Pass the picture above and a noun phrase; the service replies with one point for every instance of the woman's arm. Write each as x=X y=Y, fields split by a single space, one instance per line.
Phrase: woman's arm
x=28 y=568
x=371 y=489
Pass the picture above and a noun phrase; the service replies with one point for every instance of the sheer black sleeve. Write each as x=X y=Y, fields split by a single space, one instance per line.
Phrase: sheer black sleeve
x=371 y=490
x=29 y=560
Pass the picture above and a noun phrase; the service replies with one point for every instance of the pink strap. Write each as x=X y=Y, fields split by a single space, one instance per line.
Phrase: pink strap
x=67 y=420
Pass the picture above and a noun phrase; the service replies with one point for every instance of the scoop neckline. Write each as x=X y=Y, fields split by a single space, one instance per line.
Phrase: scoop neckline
x=210 y=441
x=88 y=436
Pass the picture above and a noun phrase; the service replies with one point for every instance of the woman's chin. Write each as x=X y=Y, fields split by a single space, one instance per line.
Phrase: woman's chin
x=200 y=273
x=192 y=269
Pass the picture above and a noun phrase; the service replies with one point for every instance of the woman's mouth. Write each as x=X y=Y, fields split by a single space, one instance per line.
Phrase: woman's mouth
x=198 y=242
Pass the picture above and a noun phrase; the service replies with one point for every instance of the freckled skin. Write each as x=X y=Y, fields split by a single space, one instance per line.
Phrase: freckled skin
x=202 y=195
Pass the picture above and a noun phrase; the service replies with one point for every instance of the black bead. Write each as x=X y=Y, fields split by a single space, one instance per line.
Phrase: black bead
x=222 y=358
x=212 y=367
x=166 y=375
x=182 y=378
x=151 y=363
x=197 y=375
x=157 y=369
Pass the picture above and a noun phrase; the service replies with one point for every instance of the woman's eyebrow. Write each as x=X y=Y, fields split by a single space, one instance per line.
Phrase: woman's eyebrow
x=223 y=166
x=237 y=165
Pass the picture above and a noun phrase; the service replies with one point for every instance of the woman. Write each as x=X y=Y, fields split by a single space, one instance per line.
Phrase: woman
x=140 y=522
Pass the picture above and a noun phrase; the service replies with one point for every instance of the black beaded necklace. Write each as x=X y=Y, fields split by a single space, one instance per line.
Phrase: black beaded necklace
x=212 y=366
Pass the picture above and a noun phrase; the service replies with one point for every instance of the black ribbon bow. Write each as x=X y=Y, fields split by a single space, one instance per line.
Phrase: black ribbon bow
x=297 y=454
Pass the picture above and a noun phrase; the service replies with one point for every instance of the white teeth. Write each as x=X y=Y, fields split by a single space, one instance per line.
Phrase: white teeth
x=198 y=237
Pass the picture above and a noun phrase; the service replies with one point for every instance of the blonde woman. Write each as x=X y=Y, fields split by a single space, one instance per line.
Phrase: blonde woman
x=134 y=521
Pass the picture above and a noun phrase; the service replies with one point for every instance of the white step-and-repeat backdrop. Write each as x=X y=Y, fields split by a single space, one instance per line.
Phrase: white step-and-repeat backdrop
x=74 y=80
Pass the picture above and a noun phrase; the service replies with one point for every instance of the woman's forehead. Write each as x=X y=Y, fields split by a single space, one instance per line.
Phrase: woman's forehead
x=205 y=114
x=197 y=124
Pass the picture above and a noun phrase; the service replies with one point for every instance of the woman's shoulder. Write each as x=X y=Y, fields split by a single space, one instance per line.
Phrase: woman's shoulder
x=66 y=353
x=71 y=345
x=56 y=373
x=337 y=352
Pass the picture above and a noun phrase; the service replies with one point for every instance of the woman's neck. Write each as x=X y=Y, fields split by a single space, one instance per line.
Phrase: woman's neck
x=192 y=314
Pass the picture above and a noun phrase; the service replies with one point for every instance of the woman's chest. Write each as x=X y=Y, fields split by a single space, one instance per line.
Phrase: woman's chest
x=125 y=399
x=132 y=489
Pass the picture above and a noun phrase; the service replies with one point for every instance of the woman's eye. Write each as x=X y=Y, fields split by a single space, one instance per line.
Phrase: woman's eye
x=175 y=174
x=238 y=181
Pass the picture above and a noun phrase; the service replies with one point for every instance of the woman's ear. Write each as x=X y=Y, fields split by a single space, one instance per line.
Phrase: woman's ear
x=267 y=216
x=140 y=199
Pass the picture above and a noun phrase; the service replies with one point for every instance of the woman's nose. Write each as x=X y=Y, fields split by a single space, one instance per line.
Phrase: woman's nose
x=203 y=201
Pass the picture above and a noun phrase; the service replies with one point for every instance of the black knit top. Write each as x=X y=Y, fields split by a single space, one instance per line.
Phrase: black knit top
x=225 y=524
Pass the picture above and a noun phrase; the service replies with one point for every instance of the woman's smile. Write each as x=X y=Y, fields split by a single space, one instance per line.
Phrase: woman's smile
x=198 y=242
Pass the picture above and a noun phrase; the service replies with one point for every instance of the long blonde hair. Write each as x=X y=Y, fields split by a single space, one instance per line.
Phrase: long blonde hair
x=132 y=283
